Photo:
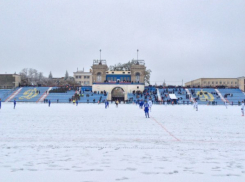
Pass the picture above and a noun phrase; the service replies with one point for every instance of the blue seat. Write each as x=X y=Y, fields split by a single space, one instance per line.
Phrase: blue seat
x=30 y=94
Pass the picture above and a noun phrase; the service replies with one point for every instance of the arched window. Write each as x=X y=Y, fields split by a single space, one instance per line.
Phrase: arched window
x=99 y=77
x=137 y=77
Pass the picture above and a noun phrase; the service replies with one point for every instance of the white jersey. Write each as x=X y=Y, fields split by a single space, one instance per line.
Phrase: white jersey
x=242 y=106
x=196 y=104
x=149 y=103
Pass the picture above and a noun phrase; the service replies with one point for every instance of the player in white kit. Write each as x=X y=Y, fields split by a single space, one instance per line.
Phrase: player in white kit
x=226 y=104
x=196 y=105
x=242 y=108
x=150 y=104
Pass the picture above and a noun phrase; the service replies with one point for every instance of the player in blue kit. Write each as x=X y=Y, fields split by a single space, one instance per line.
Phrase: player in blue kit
x=106 y=104
x=242 y=108
x=49 y=102
x=146 y=109
x=14 y=103
x=141 y=104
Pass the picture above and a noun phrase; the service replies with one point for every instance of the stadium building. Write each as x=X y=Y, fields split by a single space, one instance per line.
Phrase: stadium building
x=218 y=82
x=9 y=81
x=118 y=83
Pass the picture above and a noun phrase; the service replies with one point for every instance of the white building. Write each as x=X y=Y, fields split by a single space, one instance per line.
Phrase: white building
x=83 y=78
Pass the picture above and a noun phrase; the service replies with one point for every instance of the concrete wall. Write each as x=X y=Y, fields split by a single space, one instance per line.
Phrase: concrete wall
x=109 y=87
x=242 y=83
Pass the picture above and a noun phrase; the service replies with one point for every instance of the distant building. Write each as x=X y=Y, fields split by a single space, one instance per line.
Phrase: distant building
x=9 y=81
x=83 y=78
x=214 y=82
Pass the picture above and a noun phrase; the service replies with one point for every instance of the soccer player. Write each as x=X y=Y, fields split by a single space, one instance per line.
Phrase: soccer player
x=196 y=103
x=146 y=109
x=106 y=104
x=49 y=102
x=150 y=104
x=226 y=104
x=117 y=102
x=141 y=104
x=76 y=102
x=242 y=108
x=14 y=103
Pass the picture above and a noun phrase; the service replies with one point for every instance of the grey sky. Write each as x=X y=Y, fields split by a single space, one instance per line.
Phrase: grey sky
x=178 y=39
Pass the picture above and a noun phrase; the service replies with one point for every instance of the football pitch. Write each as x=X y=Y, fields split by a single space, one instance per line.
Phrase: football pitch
x=88 y=143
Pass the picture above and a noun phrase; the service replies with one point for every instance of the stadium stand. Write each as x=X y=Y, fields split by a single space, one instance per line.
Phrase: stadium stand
x=233 y=96
x=4 y=93
x=29 y=94
x=206 y=96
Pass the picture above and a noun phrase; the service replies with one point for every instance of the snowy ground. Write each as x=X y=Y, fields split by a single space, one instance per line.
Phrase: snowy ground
x=88 y=143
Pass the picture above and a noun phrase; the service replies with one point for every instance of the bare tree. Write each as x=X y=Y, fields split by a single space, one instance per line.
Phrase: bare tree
x=66 y=75
x=50 y=75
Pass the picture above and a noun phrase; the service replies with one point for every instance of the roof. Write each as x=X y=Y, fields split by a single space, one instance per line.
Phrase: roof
x=9 y=74
x=82 y=73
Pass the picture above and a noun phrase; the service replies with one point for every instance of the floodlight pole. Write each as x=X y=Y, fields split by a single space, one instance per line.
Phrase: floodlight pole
x=100 y=54
x=137 y=54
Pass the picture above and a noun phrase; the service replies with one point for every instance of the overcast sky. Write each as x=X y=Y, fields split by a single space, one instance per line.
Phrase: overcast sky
x=178 y=39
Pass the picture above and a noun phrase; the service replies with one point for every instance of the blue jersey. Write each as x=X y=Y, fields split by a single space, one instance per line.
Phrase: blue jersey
x=146 y=106
x=14 y=102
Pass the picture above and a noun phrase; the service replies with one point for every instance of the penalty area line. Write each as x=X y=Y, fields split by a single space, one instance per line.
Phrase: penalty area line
x=166 y=130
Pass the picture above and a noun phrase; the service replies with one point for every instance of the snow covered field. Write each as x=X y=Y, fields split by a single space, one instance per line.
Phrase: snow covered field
x=88 y=143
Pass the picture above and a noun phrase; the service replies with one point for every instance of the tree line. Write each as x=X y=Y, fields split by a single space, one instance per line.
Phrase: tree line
x=30 y=76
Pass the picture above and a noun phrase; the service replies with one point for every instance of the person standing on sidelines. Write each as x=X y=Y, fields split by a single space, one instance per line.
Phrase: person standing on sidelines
x=14 y=103
x=0 y=103
x=49 y=102
x=146 y=109
x=150 y=104
x=242 y=108
x=196 y=105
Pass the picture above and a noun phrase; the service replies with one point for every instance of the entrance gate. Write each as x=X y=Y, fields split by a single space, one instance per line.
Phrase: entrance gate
x=117 y=94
